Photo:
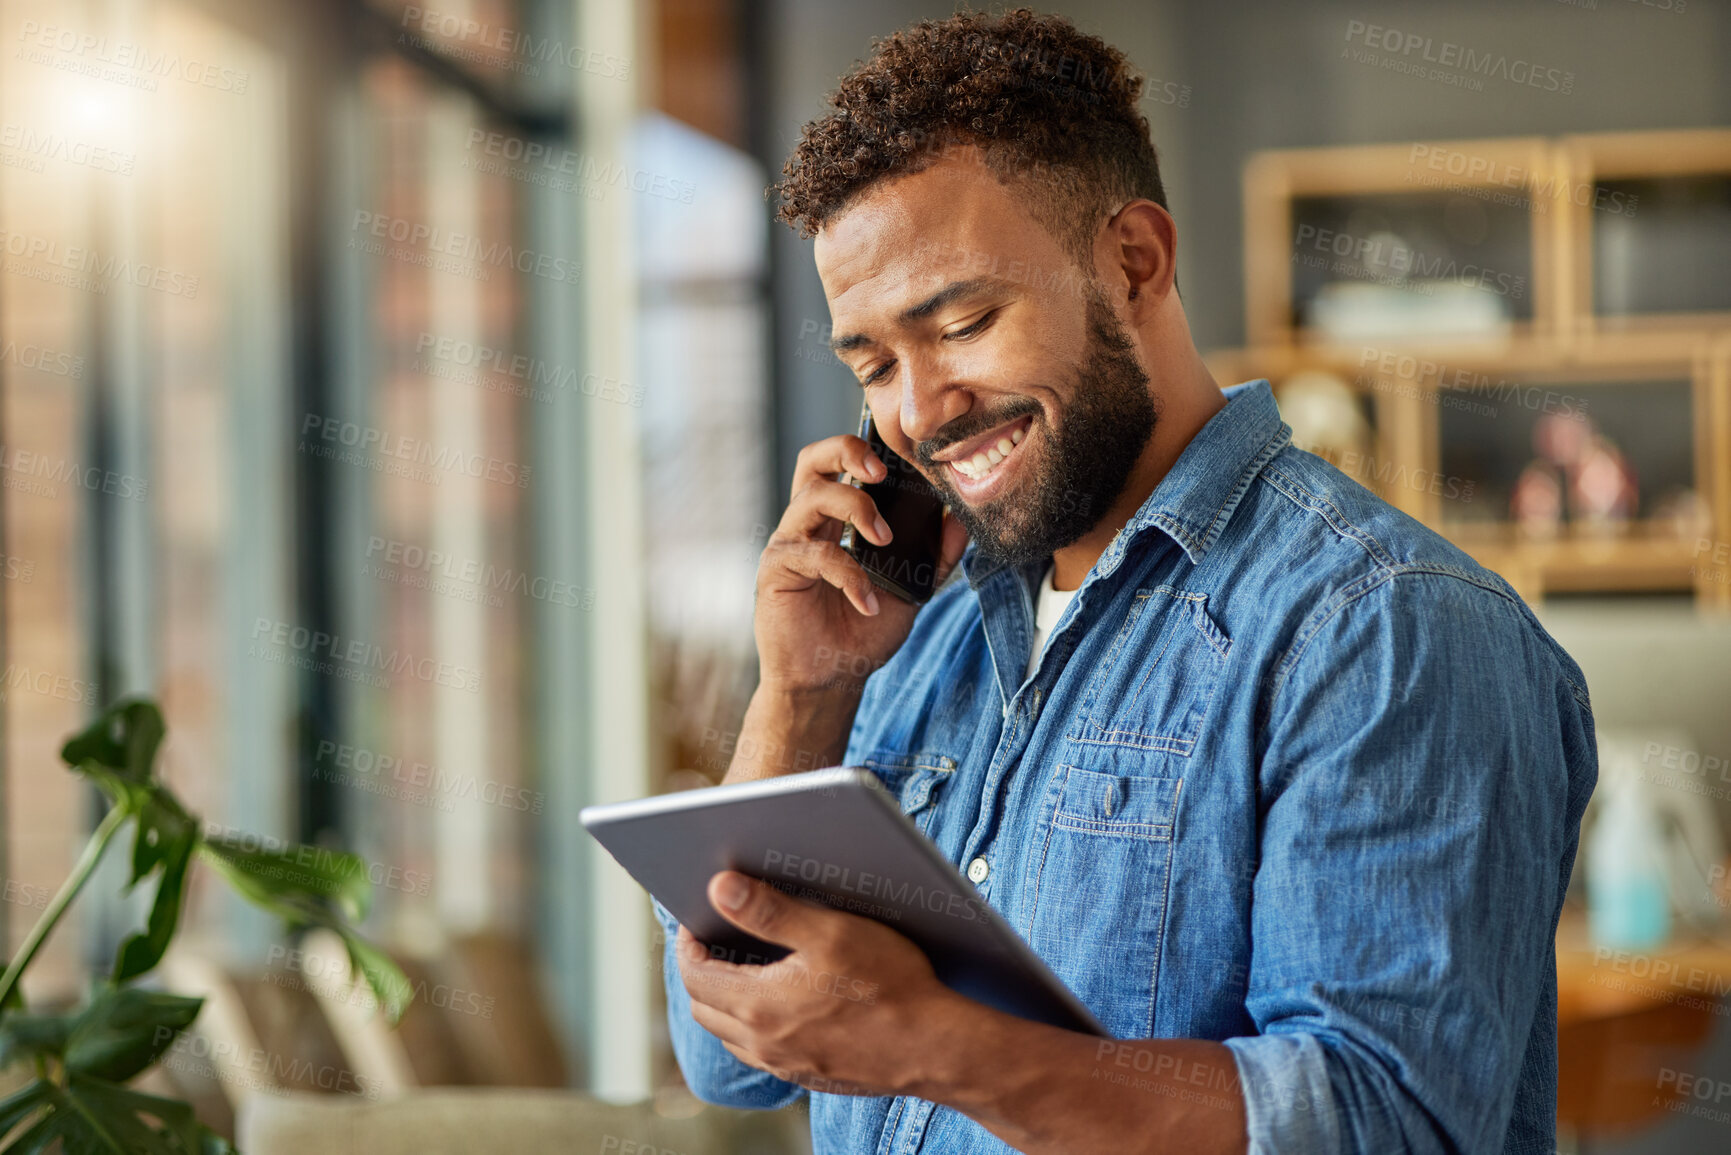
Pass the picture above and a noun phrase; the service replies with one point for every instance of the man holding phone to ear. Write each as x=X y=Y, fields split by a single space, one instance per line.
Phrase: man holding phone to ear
x=1285 y=787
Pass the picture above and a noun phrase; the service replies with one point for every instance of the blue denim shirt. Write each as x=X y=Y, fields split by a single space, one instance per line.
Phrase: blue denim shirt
x=1293 y=773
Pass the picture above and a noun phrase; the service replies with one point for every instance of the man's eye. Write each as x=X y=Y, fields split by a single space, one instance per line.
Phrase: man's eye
x=877 y=374
x=971 y=330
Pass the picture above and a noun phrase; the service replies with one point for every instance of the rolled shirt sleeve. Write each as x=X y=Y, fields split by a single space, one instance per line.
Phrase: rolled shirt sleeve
x=1428 y=756
x=711 y=1071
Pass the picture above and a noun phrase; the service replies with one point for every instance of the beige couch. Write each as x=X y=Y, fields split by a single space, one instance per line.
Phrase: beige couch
x=460 y=1120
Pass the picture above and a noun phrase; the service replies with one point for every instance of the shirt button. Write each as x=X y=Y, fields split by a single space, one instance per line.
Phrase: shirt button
x=978 y=869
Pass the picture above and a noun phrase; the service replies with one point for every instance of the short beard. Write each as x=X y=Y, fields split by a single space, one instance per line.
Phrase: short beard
x=1104 y=429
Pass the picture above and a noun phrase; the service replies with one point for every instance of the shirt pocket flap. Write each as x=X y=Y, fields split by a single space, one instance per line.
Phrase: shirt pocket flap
x=1116 y=805
x=912 y=778
x=1153 y=690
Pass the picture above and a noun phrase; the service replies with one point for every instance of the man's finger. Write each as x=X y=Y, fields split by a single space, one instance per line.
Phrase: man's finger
x=718 y=987
x=766 y=912
x=843 y=453
x=720 y=1023
x=819 y=561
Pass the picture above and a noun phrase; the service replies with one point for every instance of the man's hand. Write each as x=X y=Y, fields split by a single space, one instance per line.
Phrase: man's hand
x=820 y=622
x=856 y=1010
x=845 y=1013
x=814 y=601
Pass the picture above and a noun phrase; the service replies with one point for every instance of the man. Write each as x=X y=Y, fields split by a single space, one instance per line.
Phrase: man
x=1286 y=788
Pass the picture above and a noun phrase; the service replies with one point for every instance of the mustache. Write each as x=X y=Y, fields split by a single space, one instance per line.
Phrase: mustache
x=972 y=425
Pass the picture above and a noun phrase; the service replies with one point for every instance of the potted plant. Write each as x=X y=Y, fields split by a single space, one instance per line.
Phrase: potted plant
x=84 y=1058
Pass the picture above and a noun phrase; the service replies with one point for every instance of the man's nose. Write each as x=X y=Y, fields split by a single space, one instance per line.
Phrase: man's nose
x=930 y=399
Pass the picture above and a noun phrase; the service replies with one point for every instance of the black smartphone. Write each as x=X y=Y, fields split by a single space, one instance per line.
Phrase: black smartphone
x=908 y=566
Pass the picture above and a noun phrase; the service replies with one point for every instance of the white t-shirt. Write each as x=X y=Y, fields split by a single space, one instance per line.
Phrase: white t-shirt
x=1048 y=608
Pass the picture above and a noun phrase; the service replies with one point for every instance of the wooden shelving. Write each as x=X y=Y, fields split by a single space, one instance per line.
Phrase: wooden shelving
x=1556 y=355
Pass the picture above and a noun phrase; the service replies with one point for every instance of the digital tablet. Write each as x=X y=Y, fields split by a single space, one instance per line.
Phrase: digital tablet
x=839 y=838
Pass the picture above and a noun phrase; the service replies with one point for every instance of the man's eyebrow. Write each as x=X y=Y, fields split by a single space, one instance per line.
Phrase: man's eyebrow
x=949 y=294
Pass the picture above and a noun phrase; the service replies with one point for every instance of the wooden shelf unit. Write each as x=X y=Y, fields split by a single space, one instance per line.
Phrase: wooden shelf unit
x=1588 y=159
x=1562 y=345
x=1273 y=180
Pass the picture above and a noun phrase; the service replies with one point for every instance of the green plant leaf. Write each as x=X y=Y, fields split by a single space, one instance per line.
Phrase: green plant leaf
x=143 y=950
x=163 y=841
x=308 y=886
x=120 y=790
x=210 y=1143
x=162 y=825
x=125 y=1111
x=124 y=1030
x=385 y=978
x=291 y=879
x=25 y=1037
x=95 y=1117
x=118 y=753
x=80 y=1131
x=123 y=739
x=38 y=1138
x=22 y=1103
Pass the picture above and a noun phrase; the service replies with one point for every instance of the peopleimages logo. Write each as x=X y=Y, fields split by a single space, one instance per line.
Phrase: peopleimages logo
x=401 y=560
x=342 y=760
x=352 y=658
x=366 y=440
x=48 y=684
x=86 y=270
x=1455 y=63
x=520 y=367
x=1398 y=260
x=1456 y=387
x=541 y=163
x=422 y=242
x=254 y=1067
x=449 y=26
x=55 y=146
x=1474 y=172
x=42 y=475
x=121 y=61
x=337 y=866
x=832 y=876
x=42 y=360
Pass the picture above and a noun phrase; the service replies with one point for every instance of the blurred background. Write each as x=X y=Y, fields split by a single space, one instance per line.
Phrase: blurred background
x=401 y=394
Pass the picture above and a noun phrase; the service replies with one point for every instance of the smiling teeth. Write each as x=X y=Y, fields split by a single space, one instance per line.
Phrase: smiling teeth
x=982 y=463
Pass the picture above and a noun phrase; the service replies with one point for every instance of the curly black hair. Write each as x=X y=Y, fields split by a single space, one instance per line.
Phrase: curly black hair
x=1053 y=110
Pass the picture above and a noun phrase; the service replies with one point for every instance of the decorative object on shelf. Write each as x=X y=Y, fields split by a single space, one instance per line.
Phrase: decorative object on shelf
x=1603 y=493
x=1530 y=290
x=1684 y=514
x=1375 y=310
x=1561 y=438
x=1537 y=502
x=1325 y=416
x=84 y=1058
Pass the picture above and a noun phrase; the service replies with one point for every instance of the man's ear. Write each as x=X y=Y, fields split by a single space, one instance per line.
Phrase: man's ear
x=1142 y=245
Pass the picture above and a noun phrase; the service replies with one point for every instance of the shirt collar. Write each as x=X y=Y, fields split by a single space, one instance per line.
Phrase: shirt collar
x=1198 y=495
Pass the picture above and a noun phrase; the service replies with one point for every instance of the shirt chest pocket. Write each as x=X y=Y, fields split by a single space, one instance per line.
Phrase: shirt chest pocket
x=1099 y=890
x=916 y=780
x=1153 y=688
